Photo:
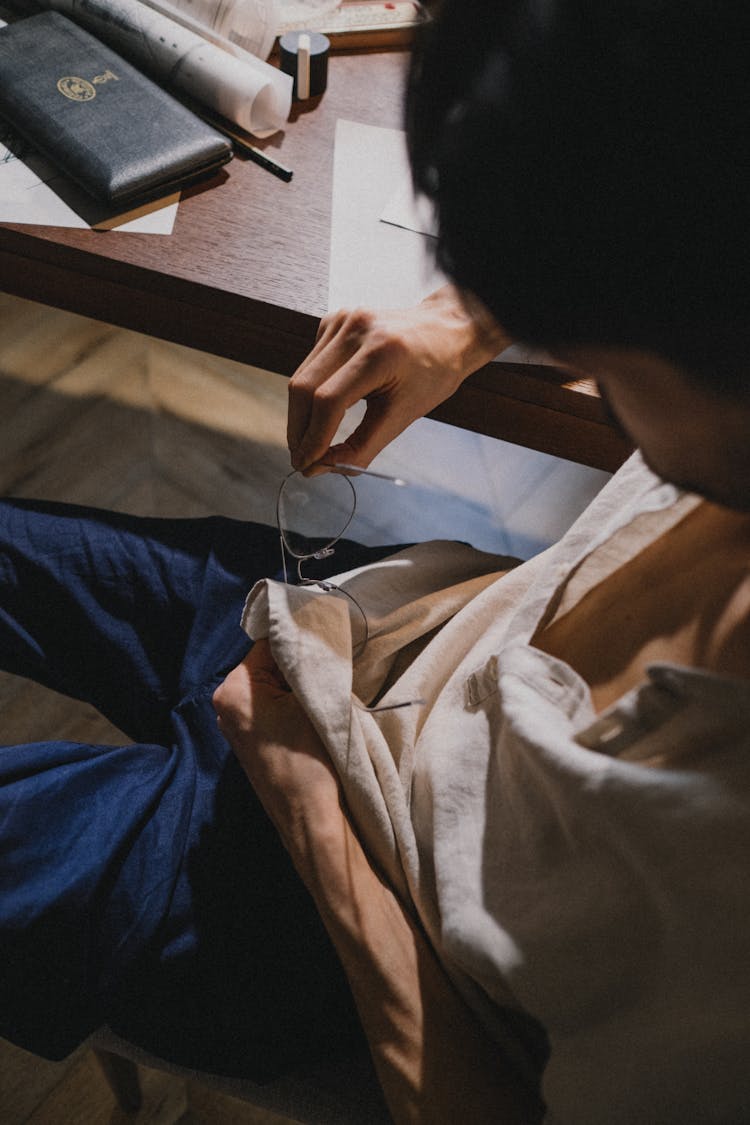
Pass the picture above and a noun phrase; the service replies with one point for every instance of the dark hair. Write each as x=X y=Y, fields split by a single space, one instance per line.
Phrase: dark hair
x=588 y=160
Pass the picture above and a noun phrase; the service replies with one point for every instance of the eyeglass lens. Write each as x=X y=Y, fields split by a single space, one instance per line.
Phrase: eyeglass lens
x=313 y=511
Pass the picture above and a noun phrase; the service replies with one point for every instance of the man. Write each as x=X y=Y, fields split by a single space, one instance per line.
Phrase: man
x=572 y=818
x=521 y=810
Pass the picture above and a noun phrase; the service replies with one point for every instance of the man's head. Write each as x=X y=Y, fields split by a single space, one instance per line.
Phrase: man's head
x=588 y=161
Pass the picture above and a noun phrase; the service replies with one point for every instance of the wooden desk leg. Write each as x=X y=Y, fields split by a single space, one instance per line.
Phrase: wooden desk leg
x=122 y=1076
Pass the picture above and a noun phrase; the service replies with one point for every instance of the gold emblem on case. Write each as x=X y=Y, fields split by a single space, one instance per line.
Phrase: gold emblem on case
x=77 y=89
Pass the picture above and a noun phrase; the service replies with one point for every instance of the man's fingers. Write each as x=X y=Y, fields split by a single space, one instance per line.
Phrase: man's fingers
x=332 y=348
x=329 y=381
x=262 y=668
x=370 y=437
x=324 y=416
x=304 y=397
x=259 y=657
x=327 y=405
x=233 y=699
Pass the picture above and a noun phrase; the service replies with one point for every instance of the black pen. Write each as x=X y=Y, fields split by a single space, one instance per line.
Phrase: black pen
x=255 y=154
x=266 y=162
x=258 y=155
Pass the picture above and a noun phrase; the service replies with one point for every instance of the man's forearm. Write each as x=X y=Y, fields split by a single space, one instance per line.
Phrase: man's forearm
x=435 y=1063
x=478 y=339
x=434 y=1060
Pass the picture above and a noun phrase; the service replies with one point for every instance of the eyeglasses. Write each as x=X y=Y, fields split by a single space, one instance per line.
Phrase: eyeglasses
x=308 y=510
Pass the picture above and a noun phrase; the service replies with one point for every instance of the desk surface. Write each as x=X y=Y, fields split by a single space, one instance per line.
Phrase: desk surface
x=245 y=273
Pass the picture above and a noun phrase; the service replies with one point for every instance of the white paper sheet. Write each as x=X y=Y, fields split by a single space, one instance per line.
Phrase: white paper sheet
x=381 y=244
x=410 y=211
x=372 y=262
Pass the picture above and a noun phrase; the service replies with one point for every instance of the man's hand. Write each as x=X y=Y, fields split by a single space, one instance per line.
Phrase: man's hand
x=402 y=362
x=279 y=750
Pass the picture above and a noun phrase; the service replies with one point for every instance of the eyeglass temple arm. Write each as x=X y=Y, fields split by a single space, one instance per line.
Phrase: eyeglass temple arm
x=398 y=481
x=283 y=559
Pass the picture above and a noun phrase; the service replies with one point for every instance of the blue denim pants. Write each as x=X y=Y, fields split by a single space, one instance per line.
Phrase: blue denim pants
x=142 y=885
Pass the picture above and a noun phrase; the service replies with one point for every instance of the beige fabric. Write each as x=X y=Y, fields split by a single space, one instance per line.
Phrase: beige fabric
x=549 y=868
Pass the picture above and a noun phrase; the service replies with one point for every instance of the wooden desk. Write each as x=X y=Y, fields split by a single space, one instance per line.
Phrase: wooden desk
x=245 y=274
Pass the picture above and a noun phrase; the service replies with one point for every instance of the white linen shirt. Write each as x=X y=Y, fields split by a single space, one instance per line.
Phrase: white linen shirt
x=554 y=867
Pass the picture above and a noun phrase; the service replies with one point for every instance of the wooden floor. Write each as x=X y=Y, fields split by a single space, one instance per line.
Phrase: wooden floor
x=96 y=415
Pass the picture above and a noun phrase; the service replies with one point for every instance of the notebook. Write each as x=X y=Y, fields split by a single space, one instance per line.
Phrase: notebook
x=96 y=117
